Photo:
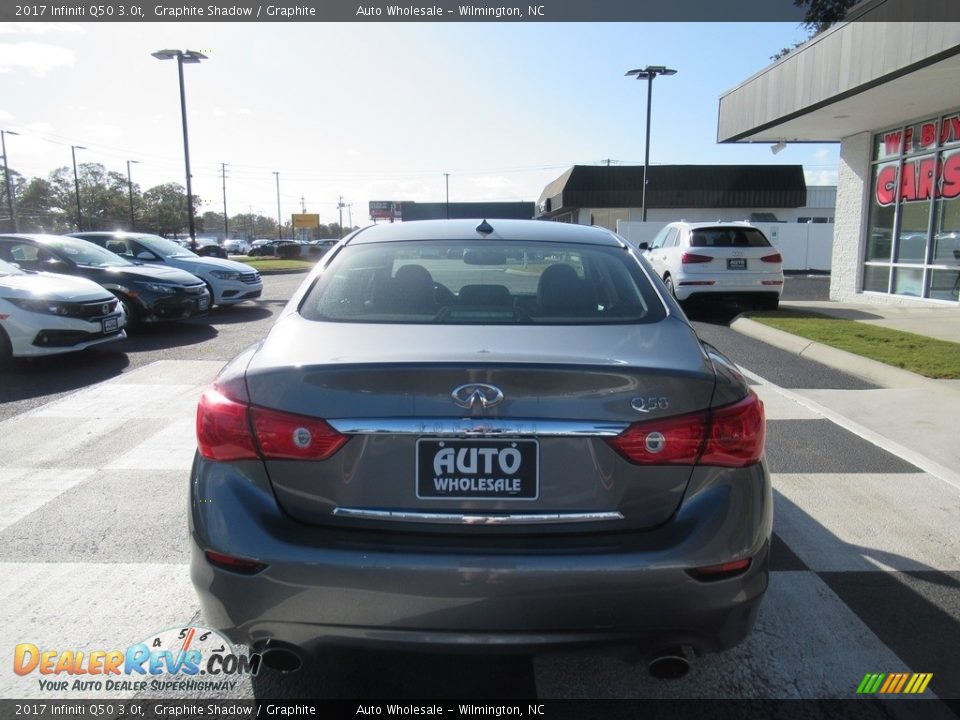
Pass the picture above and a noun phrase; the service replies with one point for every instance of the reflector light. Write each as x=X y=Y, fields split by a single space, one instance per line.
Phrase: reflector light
x=689 y=257
x=721 y=572
x=730 y=436
x=775 y=258
x=772 y=282
x=696 y=282
x=231 y=430
x=244 y=566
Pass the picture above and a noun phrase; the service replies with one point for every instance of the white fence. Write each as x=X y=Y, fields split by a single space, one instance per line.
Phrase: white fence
x=804 y=246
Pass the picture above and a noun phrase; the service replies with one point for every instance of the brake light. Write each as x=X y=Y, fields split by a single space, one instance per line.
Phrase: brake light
x=223 y=428
x=231 y=430
x=294 y=437
x=688 y=258
x=737 y=434
x=775 y=258
x=730 y=436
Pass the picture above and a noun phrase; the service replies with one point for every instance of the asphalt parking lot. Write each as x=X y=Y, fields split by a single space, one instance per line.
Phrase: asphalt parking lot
x=93 y=488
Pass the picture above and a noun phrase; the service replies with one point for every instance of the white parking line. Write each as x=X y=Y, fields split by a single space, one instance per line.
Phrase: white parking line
x=913 y=457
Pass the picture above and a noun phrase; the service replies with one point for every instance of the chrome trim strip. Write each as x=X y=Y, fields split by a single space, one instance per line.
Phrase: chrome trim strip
x=476 y=518
x=472 y=427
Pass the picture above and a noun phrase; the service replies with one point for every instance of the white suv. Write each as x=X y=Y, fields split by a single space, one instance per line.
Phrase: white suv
x=732 y=259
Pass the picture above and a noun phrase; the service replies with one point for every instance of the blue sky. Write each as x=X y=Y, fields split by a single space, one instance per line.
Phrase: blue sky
x=379 y=111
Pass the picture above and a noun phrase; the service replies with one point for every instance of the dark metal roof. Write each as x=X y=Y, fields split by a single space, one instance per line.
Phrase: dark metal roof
x=676 y=186
x=462 y=210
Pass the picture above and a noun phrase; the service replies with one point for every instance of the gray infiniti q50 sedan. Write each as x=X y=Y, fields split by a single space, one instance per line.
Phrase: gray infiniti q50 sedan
x=499 y=434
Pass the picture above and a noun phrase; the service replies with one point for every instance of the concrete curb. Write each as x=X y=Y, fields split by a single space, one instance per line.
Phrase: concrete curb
x=876 y=372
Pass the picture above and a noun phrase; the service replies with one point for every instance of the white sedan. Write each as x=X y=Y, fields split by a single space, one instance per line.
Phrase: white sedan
x=229 y=281
x=47 y=314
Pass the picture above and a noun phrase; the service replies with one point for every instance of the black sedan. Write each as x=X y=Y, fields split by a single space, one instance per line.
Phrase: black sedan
x=147 y=293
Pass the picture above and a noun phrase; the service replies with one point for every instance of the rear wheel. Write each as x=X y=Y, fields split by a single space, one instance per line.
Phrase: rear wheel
x=770 y=303
x=668 y=281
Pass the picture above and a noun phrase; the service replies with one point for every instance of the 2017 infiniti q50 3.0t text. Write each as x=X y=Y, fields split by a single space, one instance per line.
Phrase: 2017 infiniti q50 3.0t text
x=499 y=434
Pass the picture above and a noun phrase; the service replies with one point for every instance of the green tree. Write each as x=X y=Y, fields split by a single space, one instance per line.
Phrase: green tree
x=252 y=226
x=210 y=223
x=40 y=209
x=820 y=15
x=165 y=209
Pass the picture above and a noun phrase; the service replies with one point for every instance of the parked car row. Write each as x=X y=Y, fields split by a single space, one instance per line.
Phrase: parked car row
x=63 y=293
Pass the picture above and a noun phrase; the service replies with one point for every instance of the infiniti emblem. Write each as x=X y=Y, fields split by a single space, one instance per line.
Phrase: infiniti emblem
x=466 y=396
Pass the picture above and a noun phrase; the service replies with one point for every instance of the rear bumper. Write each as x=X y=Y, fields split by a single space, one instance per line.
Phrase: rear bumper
x=332 y=586
x=690 y=285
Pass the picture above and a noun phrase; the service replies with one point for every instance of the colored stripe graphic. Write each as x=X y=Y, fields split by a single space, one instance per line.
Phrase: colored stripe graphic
x=894 y=683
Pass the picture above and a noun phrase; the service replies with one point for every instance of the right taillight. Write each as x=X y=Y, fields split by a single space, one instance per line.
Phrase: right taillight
x=730 y=436
x=689 y=257
x=232 y=430
x=775 y=258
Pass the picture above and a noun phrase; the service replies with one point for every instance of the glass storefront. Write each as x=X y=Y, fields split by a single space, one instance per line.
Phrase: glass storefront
x=913 y=234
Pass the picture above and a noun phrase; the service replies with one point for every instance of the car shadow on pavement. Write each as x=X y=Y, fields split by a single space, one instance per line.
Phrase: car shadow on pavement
x=168 y=335
x=232 y=314
x=26 y=379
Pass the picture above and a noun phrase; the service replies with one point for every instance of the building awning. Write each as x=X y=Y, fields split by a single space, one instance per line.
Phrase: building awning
x=521 y=210
x=887 y=65
x=676 y=186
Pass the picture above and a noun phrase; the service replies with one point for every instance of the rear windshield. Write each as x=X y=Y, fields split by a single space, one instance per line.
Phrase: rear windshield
x=728 y=237
x=489 y=282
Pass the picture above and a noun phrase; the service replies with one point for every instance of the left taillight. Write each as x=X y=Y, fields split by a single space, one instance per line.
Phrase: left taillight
x=730 y=436
x=223 y=428
x=775 y=258
x=232 y=430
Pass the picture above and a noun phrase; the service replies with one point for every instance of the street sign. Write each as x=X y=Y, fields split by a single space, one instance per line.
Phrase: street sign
x=305 y=220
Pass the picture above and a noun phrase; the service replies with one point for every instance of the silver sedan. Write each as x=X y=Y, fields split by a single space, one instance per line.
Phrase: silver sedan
x=485 y=434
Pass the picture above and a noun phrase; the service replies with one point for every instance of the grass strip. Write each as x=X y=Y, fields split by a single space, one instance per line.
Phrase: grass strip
x=923 y=355
x=268 y=264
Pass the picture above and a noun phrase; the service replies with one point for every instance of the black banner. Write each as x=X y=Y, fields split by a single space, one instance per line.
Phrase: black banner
x=451 y=11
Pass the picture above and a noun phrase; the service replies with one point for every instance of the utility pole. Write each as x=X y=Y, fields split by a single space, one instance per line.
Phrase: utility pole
x=446 y=177
x=76 y=183
x=279 y=222
x=226 y=227
x=11 y=205
x=303 y=205
x=340 y=207
x=133 y=219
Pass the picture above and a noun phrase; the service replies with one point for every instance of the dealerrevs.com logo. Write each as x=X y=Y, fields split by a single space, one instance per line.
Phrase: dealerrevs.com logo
x=190 y=659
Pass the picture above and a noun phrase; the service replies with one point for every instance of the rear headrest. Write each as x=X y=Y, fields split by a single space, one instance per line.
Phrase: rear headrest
x=497 y=295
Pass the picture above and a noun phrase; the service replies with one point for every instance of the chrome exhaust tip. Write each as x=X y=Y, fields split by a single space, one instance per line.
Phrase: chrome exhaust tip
x=669 y=664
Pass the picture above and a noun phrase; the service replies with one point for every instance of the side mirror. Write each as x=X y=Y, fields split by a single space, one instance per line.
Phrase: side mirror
x=644 y=246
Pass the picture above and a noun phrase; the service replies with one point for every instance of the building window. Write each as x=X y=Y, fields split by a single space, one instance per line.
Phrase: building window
x=913 y=233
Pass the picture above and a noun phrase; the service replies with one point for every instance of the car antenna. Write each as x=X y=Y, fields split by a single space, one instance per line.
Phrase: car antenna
x=484 y=228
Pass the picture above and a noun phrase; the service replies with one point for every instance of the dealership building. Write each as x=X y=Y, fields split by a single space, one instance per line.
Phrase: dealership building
x=886 y=85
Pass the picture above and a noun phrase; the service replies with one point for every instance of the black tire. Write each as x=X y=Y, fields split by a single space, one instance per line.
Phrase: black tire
x=668 y=281
x=133 y=314
x=6 y=350
x=770 y=303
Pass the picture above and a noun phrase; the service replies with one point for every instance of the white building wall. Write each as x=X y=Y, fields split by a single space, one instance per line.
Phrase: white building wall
x=849 y=230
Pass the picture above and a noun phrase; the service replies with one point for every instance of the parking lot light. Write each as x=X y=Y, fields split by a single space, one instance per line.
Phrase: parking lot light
x=648 y=73
x=184 y=56
x=76 y=183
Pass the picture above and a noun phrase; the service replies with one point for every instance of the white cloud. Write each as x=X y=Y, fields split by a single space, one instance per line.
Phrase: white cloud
x=36 y=58
x=40 y=29
x=822 y=155
x=820 y=177
x=104 y=131
x=5 y=116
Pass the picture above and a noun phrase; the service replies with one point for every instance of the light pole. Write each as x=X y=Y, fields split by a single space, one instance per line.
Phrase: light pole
x=279 y=223
x=226 y=227
x=133 y=220
x=6 y=174
x=648 y=74
x=184 y=56
x=446 y=177
x=340 y=207
x=76 y=182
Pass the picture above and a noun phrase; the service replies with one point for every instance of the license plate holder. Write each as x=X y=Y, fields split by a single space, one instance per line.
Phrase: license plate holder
x=481 y=469
x=736 y=263
x=111 y=324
